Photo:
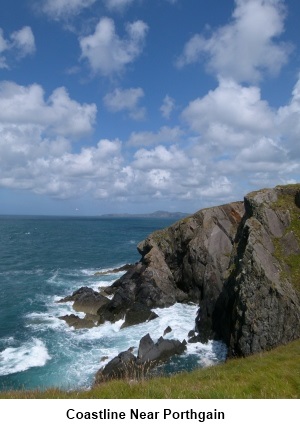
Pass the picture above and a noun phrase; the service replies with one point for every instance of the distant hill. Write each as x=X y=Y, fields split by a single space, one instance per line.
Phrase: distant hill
x=160 y=214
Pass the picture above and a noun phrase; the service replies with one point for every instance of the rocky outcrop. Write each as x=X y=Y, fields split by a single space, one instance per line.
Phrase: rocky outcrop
x=239 y=261
x=259 y=307
x=186 y=262
x=150 y=354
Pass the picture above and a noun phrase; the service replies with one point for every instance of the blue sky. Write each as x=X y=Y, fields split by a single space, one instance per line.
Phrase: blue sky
x=142 y=105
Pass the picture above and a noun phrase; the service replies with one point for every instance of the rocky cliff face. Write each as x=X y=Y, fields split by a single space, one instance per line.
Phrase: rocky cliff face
x=259 y=306
x=239 y=261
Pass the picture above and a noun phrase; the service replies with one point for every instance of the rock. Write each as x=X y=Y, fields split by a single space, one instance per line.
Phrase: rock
x=89 y=301
x=196 y=339
x=122 y=366
x=138 y=313
x=161 y=351
x=185 y=262
x=259 y=307
x=104 y=358
x=86 y=300
x=239 y=262
x=191 y=333
x=167 y=330
x=76 y=322
x=150 y=354
x=125 y=267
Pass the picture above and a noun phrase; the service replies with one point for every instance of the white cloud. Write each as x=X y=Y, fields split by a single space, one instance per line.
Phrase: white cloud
x=230 y=106
x=239 y=136
x=247 y=46
x=289 y=121
x=62 y=9
x=20 y=44
x=167 y=107
x=126 y=99
x=21 y=105
x=233 y=142
x=165 y=135
x=118 y=4
x=161 y=157
x=23 y=41
x=106 y=52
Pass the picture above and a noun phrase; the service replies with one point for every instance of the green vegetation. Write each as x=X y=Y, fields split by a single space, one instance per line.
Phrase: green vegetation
x=273 y=374
x=286 y=202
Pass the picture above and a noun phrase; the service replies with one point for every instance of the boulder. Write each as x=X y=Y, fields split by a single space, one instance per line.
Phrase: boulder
x=138 y=313
x=122 y=366
x=89 y=302
x=167 y=330
x=86 y=300
x=160 y=351
x=150 y=354
x=76 y=322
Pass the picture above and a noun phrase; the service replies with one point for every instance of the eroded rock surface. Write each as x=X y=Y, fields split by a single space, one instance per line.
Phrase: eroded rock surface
x=240 y=262
x=150 y=354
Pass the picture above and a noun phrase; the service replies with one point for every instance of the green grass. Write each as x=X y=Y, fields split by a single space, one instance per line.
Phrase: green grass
x=286 y=202
x=273 y=374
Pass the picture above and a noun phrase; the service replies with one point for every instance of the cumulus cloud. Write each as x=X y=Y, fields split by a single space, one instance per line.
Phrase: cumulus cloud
x=165 y=135
x=106 y=52
x=247 y=46
x=23 y=41
x=126 y=99
x=167 y=107
x=230 y=105
x=233 y=141
x=24 y=105
x=62 y=9
x=240 y=136
x=20 y=44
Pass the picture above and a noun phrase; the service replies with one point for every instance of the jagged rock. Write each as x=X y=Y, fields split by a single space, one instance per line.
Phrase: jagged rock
x=259 y=307
x=86 y=300
x=191 y=333
x=240 y=262
x=89 y=302
x=160 y=351
x=185 y=262
x=76 y=322
x=150 y=354
x=167 y=330
x=125 y=267
x=138 y=313
x=122 y=366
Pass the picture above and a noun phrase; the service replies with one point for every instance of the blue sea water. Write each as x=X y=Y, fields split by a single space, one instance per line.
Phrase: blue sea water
x=43 y=259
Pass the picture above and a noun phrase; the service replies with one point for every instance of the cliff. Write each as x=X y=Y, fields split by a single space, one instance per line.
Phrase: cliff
x=239 y=261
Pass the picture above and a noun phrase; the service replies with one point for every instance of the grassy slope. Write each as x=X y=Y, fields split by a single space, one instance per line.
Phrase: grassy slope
x=273 y=374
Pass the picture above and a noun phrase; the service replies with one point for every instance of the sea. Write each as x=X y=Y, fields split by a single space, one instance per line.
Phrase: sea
x=43 y=259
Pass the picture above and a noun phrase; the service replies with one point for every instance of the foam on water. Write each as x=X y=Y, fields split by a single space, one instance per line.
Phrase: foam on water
x=17 y=359
x=50 y=264
x=100 y=344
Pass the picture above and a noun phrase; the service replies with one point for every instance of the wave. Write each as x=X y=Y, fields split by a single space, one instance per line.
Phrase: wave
x=17 y=359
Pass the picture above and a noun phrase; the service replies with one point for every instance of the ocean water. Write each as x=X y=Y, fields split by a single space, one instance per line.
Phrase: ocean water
x=43 y=259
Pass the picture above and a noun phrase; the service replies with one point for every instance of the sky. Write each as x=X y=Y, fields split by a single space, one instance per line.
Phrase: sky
x=133 y=106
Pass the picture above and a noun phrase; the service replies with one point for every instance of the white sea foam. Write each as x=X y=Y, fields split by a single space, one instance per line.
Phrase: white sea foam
x=110 y=340
x=17 y=359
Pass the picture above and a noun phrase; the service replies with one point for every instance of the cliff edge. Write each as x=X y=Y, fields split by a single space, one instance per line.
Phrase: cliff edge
x=239 y=261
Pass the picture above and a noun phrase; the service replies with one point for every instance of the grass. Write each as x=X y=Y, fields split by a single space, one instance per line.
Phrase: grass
x=274 y=375
x=285 y=202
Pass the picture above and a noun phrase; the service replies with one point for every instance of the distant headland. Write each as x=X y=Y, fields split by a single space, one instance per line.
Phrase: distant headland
x=160 y=214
